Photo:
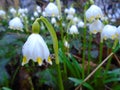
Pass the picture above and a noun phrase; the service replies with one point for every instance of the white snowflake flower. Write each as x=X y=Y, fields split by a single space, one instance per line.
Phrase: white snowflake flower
x=71 y=11
x=66 y=44
x=96 y=26
x=36 y=14
x=53 y=20
x=32 y=18
x=75 y=20
x=93 y=12
x=73 y=30
x=35 y=49
x=51 y=10
x=66 y=10
x=2 y=13
x=80 y=24
x=38 y=8
x=69 y=17
x=13 y=11
x=109 y=32
x=16 y=24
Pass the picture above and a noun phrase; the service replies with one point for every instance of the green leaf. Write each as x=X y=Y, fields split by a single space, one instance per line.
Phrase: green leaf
x=112 y=80
x=47 y=77
x=3 y=73
x=69 y=65
x=78 y=81
x=5 y=88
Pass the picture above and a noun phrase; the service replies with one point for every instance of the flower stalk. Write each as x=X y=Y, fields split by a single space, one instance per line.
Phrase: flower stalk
x=89 y=50
x=55 y=46
x=84 y=44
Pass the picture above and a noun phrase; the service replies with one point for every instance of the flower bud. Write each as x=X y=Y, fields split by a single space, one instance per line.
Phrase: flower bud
x=35 y=27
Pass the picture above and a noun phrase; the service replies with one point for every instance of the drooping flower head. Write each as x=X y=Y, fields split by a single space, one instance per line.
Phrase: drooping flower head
x=66 y=44
x=96 y=27
x=13 y=11
x=35 y=48
x=36 y=14
x=2 y=13
x=93 y=12
x=16 y=24
x=53 y=20
x=70 y=17
x=73 y=30
x=80 y=24
x=109 y=32
x=51 y=10
x=38 y=8
x=71 y=11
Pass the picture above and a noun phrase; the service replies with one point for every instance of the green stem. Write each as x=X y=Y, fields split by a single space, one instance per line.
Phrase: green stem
x=26 y=24
x=101 y=51
x=59 y=6
x=89 y=50
x=55 y=46
x=63 y=47
x=109 y=61
x=84 y=44
x=14 y=75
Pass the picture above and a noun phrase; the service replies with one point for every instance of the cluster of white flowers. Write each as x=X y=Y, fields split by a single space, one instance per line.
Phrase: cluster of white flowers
x=37 y=12
x=70 y=12
x=93 y=15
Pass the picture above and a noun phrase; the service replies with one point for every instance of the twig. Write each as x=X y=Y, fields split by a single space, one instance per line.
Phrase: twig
x=95 y=70
x=108 y=88
x=117 y=59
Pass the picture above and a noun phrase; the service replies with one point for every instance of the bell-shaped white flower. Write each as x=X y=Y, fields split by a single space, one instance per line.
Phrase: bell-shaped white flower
x=32 y=18
x=66 y=10
x=51 y=10
x=36 y=14
x=75 y=20
x=73 y=30
x=109 y=32
x=13 y=11
x=96 y=27
x=44 y=14
x=16 y=24
x=2 y=13
x=93 y=12
x=66 y=44
x=69 y=17
x=80 y=24
x=71 y=11
x=35 y=49
x=25 y=10
x=53 y=20
x=38 y=8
